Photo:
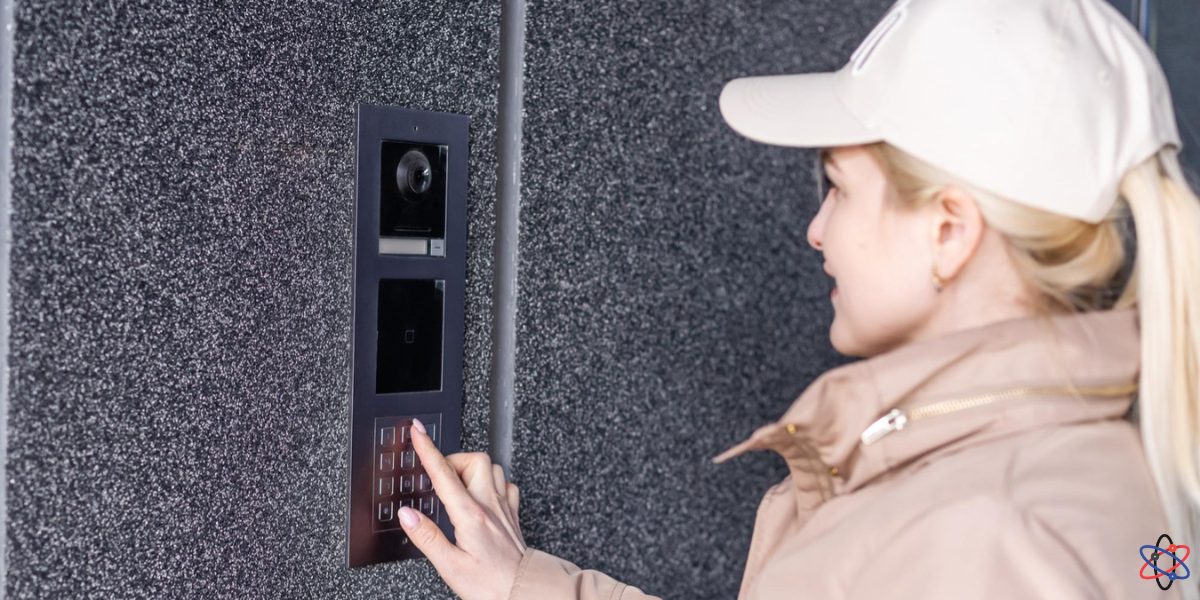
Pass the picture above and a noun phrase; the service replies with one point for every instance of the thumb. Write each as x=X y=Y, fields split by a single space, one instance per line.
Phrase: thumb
x=427 y=537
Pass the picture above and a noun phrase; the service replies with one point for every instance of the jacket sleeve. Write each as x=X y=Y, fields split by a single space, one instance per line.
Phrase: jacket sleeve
x=542 y=576
x=981 y=547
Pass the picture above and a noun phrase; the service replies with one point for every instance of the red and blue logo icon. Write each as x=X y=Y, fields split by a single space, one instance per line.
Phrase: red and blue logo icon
x=1158 y=551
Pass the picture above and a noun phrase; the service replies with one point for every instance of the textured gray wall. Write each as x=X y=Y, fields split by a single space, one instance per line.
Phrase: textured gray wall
x=181 y=283
x=1178 y=47
x=669 y=302
x=184 y=178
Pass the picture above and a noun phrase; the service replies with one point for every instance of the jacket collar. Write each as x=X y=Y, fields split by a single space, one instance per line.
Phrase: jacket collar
x=819 y=434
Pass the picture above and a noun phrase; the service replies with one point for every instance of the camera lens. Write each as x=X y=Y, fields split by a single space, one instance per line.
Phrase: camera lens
x=414 y=175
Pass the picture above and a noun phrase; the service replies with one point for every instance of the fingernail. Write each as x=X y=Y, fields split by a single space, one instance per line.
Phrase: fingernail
x=419 y=426
x=408 y=517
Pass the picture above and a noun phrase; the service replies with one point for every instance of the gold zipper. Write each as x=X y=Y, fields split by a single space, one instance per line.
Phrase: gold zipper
x=899 y=418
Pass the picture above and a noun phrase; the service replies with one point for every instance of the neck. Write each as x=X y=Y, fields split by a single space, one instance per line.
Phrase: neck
x=963 y=307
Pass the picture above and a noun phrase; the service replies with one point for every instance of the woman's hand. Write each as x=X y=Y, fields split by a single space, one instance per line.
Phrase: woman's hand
x=483 y=508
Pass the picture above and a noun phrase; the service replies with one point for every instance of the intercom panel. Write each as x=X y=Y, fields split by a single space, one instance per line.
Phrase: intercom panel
x=410 y=226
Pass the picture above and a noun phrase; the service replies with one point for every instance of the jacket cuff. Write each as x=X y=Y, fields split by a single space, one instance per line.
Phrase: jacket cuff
x=541 y=576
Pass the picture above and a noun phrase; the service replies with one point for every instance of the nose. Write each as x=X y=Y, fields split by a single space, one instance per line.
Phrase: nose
x=816 y=229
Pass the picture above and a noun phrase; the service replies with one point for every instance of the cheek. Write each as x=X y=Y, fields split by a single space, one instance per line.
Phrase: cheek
x=868 y=266
x=875 y=282
x=873 y=251
x=879 y=288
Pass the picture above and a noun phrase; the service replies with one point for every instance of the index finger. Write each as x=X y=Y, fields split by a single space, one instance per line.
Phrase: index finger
x=442 y=475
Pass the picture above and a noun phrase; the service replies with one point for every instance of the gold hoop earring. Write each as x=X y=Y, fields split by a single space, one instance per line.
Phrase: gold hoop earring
x=938 y=282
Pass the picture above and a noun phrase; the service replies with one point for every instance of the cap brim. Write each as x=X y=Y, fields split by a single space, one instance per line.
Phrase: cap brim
x=800 y=110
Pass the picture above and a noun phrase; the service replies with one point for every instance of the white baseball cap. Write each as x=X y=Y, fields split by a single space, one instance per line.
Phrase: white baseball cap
x=1044 y=102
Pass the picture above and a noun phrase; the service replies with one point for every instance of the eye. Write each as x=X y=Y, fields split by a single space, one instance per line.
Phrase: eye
x=826 y=185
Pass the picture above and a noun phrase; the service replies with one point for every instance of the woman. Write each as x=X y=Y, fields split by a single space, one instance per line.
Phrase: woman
x=982 y=159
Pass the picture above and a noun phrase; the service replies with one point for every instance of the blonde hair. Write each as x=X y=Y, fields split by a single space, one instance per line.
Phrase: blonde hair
x=1080 y=266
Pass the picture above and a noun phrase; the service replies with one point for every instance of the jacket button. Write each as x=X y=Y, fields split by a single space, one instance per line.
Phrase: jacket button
x=833 y=471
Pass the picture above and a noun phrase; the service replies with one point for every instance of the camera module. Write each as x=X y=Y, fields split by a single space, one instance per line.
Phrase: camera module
x=412 y=194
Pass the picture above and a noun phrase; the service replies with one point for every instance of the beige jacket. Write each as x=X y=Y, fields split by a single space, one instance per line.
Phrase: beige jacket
x=1000 y=484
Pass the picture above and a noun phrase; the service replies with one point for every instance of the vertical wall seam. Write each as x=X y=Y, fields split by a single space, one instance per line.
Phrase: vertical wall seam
x=508 y=199
x=7 y=38
x=1143 y=17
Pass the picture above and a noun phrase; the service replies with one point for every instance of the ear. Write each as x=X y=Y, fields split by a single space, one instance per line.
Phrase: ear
x=957 y=230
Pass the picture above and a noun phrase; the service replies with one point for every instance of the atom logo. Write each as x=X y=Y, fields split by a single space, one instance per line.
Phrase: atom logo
x=1176 y=561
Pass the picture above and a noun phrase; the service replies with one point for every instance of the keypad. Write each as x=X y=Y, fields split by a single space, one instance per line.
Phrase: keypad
x=399 y=477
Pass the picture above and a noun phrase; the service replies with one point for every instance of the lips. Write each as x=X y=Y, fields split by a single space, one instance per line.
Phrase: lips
x=833 y=292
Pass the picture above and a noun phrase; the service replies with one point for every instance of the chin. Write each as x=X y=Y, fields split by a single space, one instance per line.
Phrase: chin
x=837 y=338
x=843 y=343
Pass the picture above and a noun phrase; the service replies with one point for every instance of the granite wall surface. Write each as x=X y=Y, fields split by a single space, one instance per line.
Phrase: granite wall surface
x=1175 y=25
x=180 y=285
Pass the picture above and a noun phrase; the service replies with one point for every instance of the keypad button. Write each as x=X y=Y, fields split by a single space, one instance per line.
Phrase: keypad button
x=398 y=477
x=385 y=511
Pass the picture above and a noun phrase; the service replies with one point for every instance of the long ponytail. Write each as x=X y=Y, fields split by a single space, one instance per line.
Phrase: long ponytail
x=1166 y=215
